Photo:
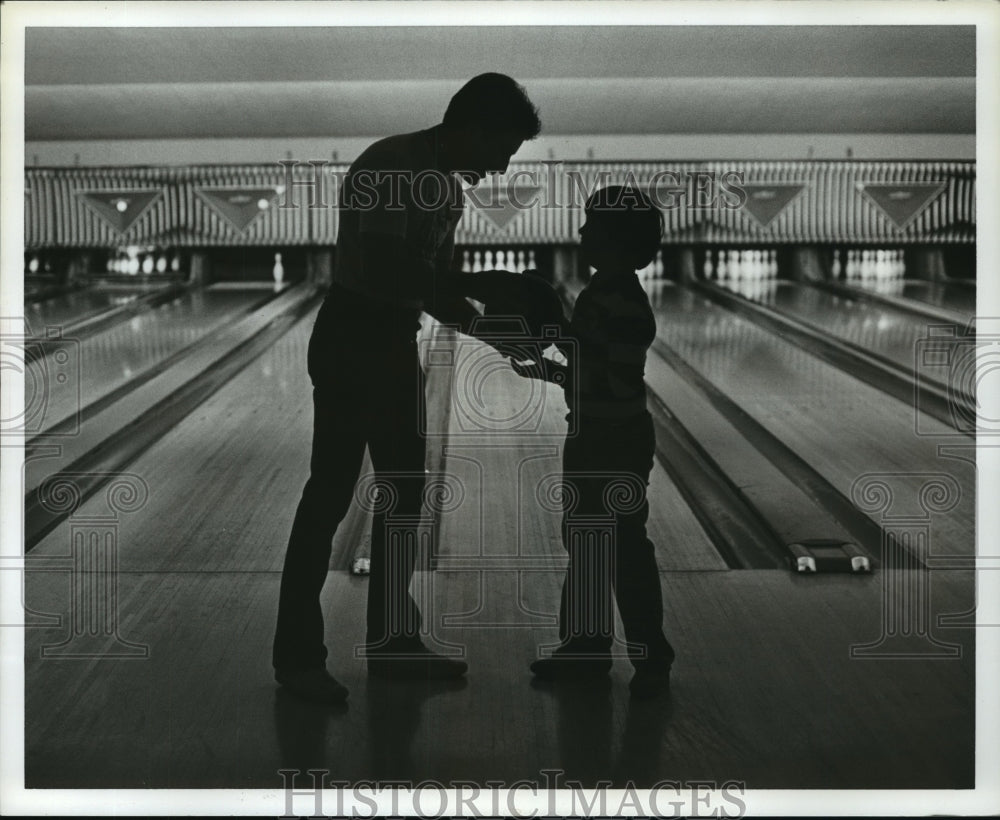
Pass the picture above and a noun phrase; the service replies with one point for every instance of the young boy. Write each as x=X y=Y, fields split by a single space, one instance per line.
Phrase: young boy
x=606 y=465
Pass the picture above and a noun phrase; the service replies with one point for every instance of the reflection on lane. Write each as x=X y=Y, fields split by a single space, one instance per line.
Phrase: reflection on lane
x=957 y=296
x=892 y=333
x=842 y=427
x=70 y=308
x=111 y=358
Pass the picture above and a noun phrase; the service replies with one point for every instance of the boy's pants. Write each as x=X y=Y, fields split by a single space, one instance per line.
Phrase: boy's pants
x=368 y=389
x=607 y=468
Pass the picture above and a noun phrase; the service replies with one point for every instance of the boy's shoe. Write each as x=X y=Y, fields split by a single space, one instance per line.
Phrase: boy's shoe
x=568 y=665
x=650 y=681
x=316 y=685
x=411 y=660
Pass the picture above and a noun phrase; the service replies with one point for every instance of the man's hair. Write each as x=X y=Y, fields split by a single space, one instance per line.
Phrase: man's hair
x=494 y=102
x=629 y=219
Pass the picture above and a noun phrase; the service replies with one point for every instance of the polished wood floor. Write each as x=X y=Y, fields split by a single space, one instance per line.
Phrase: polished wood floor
x=765 y=690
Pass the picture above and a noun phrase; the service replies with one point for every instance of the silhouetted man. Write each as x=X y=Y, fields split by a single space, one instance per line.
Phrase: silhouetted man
x=399 y=206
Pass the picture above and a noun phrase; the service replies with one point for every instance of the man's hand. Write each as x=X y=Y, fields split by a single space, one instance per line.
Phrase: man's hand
x=545 y=369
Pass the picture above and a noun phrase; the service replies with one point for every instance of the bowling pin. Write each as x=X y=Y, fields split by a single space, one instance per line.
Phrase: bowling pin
x=835 y=268
x=501 y=259
x=175 y=263
x=466 y=262
x=532 y=265
x=658 y=265
x=477 y=262
x=278 y=271
x=721 y=271
x=148 y=264
x=520 y=261
x=773 y=267
x=706 y=269
x=488 y=261
x=161 y=264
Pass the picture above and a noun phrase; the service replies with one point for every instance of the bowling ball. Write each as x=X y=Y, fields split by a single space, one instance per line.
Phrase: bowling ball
x=519 y=304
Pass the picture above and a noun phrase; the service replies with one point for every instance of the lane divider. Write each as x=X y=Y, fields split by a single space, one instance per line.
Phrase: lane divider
x=863 y=529
x=71 y=422
x=935 y=313
x=934 y=399
x=91 y=325
x=94 y=468
x=736 y=529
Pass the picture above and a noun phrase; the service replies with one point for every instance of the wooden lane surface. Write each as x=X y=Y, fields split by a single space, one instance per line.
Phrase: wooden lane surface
x=842 y=427
x=792 y=514
x=764 y=688
x=885 y=330
x=135 y=344
x=224 y=484
x=75 y=306
x=764 y=691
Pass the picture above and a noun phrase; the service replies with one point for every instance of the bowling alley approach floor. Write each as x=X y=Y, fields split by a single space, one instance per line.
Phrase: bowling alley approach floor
x=764 y=692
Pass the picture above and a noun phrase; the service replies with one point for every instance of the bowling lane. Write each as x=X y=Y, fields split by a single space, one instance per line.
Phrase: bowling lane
x=224 y=483
x=842 y=427
x=957 y=296
x=884 y=330
x=111 y=358
x=199 y=571
x=69 y=308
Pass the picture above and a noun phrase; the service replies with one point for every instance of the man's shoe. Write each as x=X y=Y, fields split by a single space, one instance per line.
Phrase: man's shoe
x=564 y=665
x=650 y=682
x=411 y=660
x=316 y=685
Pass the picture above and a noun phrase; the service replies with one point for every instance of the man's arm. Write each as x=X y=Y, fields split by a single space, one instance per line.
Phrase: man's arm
x=445 y=303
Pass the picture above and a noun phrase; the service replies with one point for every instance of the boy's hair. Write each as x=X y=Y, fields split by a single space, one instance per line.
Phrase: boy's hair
x=494 y=102
x=630 y=221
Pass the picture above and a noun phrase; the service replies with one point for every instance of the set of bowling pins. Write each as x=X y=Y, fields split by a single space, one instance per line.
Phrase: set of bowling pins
x=747 y=265
x=129 y=262
x=869 y=266
x=278 y=271
x=518 y=261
